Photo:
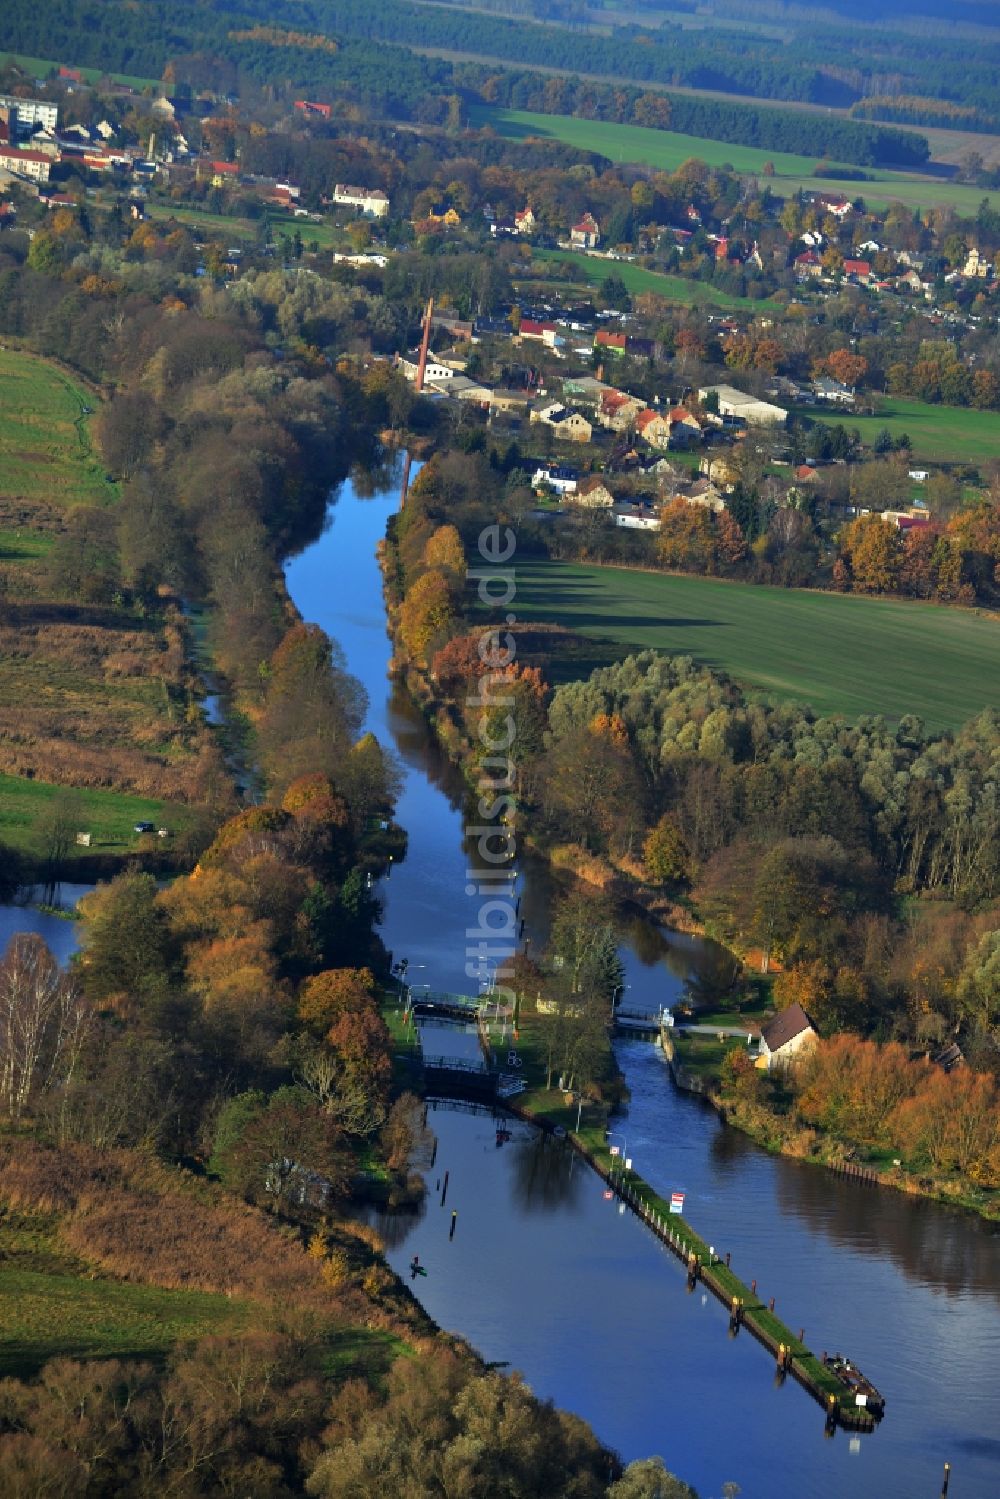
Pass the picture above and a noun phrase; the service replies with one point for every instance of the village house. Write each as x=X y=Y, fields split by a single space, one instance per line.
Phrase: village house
x=510 y=402
x=557 y=476
x=618 y=411
x=858 y=270
x=685 y=428
x=525 y=221
x=806 y=474
x=594 y=494
x=223 y=173
x=586 y=235
x=721 y=469
x=585 y=389
x=636 y=516
x=785 y=1038
x=568 y=426
x=807 y=264
x=704 y=493
x=318 y=111
x=372 y=203
x=614 y=343
x=546 y=333
x=653 y=427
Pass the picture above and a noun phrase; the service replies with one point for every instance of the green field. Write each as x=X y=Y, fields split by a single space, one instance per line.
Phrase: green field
x=941 y=434
x=41 y=66
x=637 y=280
x=842 y=654
x=109 y=816
x=45 y=443
x=235 y=229
x=667 y=149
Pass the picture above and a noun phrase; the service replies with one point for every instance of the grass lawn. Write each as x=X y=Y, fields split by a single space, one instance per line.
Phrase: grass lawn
x=24 y=545
x=939 y=434
x=667 y=149
x=842 y=654
x=233 y=229
x=107 y=815
x=637 y=279
x=45 y=443
x=49 y=1315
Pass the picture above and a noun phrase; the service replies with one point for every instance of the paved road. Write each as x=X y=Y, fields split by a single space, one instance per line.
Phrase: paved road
x=751 y=1028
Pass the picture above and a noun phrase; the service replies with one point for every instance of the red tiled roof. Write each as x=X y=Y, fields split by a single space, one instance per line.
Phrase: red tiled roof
x=17 y=153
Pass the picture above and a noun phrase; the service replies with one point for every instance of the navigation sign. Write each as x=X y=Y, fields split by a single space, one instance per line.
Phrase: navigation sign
x=677 y=1202
x=615 y=1150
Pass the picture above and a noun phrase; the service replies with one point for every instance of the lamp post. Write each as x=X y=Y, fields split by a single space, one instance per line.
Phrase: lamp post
x=618 y=989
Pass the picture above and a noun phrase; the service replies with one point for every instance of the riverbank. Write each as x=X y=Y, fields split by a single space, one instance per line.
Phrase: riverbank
x=780 y=1136
x=584 y=1123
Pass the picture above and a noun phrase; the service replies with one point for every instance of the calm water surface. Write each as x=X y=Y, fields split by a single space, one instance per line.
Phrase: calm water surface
x=546 y=1274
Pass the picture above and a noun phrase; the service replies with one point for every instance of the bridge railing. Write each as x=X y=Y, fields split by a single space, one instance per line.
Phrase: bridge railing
x=455 y=1064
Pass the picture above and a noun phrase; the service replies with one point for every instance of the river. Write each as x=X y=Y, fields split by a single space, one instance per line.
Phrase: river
x=545 y=1274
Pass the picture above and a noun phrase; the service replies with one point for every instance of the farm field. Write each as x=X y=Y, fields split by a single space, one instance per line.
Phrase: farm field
x=841 y=654
x=46 y=453
x=39 y=67
x=941 y=434
x=667 y=149
x=593 y=270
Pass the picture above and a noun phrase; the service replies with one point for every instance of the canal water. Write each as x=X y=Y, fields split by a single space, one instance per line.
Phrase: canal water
x=547 y=1275
x=54 y=924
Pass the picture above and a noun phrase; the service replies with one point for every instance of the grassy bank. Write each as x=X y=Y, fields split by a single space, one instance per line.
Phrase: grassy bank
x=666 y=150
x=840 y=653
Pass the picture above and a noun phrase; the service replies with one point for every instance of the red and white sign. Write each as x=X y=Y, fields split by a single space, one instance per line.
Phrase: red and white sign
x=615 y=1150
x=677 y=1202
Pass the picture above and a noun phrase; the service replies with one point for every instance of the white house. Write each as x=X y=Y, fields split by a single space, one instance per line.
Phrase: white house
x=556 y=476
x=785 y=1038
x=370 y=201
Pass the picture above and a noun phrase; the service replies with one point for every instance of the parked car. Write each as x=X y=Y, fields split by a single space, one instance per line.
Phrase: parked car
x=144 y=827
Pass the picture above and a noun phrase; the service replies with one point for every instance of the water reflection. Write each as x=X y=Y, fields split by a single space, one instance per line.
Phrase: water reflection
x=544 y=1174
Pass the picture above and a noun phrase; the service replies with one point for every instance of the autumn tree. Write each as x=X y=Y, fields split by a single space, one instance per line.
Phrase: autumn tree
x=666 y=853
x=444 y=551
x=426 y=613
x=850 y=369
x=326 y=996
x=871 y=547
